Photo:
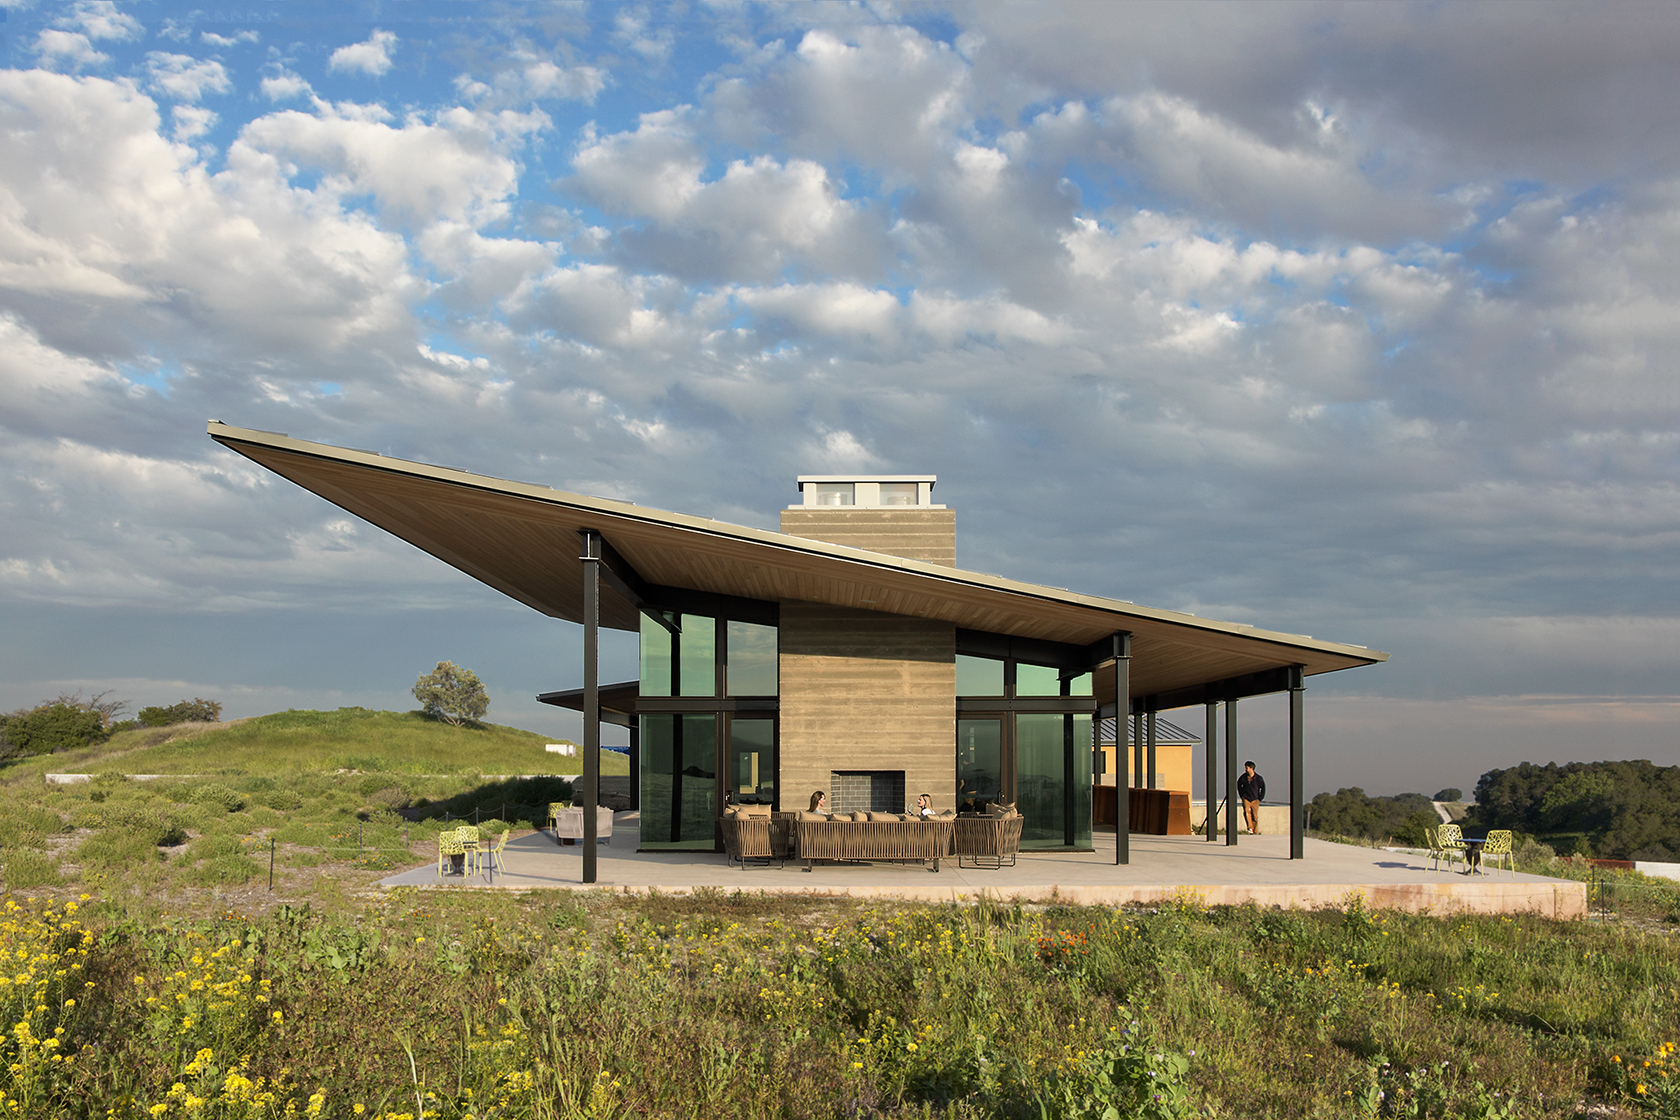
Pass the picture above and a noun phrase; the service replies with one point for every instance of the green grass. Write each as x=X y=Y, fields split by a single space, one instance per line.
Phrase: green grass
x=346 y=739
x=586 y=1005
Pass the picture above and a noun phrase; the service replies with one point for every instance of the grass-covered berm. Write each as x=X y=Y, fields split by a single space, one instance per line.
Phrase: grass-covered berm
x=562 y=1004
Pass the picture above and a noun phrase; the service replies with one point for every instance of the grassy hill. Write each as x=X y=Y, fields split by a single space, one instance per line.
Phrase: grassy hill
x=346 y=739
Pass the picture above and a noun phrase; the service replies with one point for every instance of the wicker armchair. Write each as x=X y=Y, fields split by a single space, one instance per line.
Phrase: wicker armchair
x=988 y=841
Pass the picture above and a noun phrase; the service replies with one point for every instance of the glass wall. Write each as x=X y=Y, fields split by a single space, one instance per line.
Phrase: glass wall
x=979 y=763
x=679 y=780
x=752 y=761
x=979 y=676
x=692 y=759
x=752 y=659
x=1053 y=779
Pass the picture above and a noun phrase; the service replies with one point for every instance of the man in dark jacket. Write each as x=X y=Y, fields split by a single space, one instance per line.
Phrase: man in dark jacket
x=1251 y=787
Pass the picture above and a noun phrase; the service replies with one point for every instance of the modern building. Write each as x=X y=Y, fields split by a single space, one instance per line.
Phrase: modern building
x=846 y=653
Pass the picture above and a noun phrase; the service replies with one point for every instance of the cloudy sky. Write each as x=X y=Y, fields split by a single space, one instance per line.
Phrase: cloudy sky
x=1357 y=320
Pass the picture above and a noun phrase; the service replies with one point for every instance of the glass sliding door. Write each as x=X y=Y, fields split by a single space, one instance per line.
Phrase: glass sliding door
x=679 y=781
x=751 y=766
x=979 y=763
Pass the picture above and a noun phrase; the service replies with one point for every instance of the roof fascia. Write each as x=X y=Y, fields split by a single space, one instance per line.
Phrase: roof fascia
x=230 y=436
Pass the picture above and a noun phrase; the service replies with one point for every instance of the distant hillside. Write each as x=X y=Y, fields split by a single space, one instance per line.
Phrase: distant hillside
x=1614 y=810
x=346 y=739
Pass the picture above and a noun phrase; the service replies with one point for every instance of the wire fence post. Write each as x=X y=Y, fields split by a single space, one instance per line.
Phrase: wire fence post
x=271 y=864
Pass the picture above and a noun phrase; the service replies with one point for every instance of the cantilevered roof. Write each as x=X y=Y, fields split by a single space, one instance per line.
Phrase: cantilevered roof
x=522 y=540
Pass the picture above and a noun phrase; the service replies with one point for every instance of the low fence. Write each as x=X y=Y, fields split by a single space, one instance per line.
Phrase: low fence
x=1614 y=889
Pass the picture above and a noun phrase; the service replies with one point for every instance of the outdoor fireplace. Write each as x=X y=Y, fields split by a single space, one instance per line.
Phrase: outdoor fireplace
x=874 y=791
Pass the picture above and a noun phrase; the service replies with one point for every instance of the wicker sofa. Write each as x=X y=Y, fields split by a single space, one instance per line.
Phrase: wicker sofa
x=872 y=836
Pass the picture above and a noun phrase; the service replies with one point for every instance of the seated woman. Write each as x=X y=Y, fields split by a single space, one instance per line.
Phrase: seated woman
x=923 y=807
x=819 y=802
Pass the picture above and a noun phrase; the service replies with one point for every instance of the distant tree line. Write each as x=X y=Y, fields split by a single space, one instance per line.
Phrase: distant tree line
x=1613 y=810
x=1352 y=812
x=70 y=721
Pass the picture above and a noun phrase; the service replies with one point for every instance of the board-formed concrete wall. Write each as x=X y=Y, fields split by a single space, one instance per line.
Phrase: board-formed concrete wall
x=866 y=691
x=929 y=535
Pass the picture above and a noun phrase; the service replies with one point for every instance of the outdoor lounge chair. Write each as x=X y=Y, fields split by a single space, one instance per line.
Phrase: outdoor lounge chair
x=988 y=841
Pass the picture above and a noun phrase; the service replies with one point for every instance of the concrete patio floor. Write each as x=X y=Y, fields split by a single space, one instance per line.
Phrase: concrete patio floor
x=1162 y=867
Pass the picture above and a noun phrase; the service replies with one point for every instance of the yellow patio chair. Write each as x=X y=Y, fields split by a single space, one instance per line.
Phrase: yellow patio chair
x=498 y=862
x=1450 y=839
x=451 y=843
x=554 y=808
x=1498 y=849
x=1433 y=845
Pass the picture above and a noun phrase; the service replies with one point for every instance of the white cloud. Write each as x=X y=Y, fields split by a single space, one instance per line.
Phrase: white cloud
x=752 y=222
x=192 y=121
x=186 y=78
x=455 y=166
x=233 y=40
x=57 y=47
x=371 y=56
x=285 y=85
x=101 y=19
x=528 y=78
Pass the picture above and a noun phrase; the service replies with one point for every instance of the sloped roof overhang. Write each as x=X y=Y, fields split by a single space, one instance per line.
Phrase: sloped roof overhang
x=522 y=540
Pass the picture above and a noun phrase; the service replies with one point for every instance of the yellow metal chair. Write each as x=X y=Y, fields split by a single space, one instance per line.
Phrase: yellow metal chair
x=452 y=843
x=554 y=808
x=498 y=862
x=1498 y=849
x=1450 y=839
x=1433 y=845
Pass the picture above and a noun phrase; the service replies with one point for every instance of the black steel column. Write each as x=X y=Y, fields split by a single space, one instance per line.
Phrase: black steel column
x=1149 y=768
x=635 y=763
x=591 y=693
x=1122 y=719
x=1232 y=769
x=1210 y=815
x=1297 y=771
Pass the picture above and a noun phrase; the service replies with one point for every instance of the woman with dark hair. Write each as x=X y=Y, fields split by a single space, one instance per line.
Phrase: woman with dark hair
x=817 y=800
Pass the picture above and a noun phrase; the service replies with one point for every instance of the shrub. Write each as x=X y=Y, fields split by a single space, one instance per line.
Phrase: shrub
x=58 y=726
x=187 y=711
x=1451 y=793
x=452 y=694
x=231 y=801
x=285 y=800
x=25 y=869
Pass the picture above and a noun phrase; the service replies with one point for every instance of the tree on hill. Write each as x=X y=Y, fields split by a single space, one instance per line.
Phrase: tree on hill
x=1451 y=793
x=187 y=711
x=1352 y=812
x=46 y=728
x=1617 y=810
x=452 y=694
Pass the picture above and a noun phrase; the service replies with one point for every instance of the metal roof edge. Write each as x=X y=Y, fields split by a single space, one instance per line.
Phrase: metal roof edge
x=227 y=434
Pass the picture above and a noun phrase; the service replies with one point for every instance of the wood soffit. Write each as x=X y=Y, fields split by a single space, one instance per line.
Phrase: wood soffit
x=521 y=539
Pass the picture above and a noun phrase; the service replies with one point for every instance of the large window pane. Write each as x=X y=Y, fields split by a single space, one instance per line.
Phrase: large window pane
x=1080 y=685
x=979 y=763
x=1037 y=680
x=698 y=647
x=656 y=659
x=752 y=761
x=1080 y=778
x=679 y=781
x=752 y=659
x=979 y=676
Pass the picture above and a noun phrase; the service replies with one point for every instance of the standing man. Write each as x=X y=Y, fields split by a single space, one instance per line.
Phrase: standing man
x=1251 y=787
